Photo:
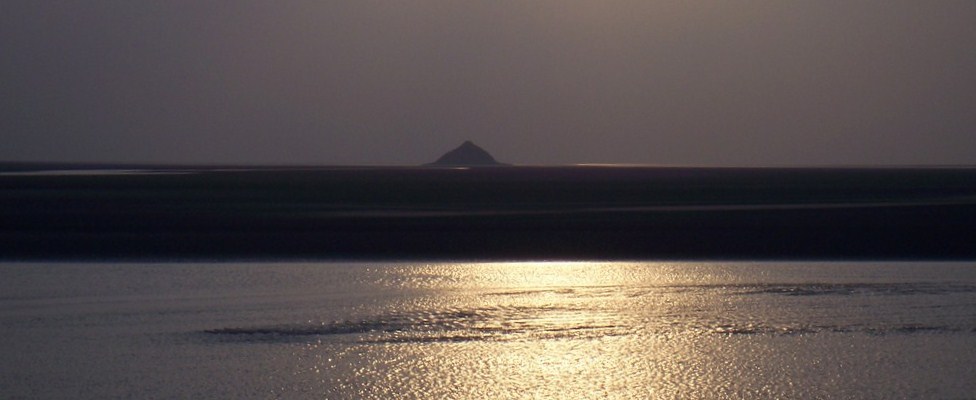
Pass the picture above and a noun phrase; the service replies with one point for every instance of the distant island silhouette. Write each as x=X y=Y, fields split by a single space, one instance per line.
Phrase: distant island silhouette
x=467 y=154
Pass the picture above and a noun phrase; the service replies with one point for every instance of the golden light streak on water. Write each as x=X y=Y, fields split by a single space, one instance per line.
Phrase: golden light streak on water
x=578 y=330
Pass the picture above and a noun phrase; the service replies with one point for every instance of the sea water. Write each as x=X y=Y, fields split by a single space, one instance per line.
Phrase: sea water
x=571 y=330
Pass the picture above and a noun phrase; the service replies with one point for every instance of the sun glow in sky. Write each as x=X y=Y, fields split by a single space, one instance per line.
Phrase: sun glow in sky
x=543 y=82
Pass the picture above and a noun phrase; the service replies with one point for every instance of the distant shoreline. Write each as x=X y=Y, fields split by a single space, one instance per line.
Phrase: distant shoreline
x=36 y=166
x=577 y=212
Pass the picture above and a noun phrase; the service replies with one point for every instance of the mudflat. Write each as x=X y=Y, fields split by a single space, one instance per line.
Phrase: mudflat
x=487 y=213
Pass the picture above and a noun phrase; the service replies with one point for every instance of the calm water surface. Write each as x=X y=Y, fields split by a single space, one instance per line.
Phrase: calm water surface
x=488 y=330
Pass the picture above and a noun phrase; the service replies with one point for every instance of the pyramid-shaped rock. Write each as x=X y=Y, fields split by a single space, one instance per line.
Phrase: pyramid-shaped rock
x=468 y=154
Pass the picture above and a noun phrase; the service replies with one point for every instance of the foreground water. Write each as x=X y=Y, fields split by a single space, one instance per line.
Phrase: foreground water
x=488 y=330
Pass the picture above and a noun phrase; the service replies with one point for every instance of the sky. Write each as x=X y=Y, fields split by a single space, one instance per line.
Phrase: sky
x=364 y=82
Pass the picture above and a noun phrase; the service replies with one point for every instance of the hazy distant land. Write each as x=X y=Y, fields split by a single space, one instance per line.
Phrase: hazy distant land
x=488 y=213
x=467 y=154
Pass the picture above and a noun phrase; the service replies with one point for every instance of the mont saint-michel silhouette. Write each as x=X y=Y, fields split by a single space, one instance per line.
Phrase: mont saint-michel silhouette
x=467 y=154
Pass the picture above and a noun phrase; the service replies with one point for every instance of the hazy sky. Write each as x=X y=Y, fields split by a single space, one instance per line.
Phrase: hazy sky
x=532 y=81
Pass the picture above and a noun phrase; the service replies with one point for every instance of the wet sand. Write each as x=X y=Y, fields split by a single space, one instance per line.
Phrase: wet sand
x=487 y=213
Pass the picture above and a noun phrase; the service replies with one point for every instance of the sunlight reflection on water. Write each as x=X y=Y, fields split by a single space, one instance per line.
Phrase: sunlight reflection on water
x=491 y=330
x=633 y=330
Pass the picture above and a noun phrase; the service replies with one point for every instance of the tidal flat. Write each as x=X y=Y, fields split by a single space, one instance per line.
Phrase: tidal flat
x=394 y=213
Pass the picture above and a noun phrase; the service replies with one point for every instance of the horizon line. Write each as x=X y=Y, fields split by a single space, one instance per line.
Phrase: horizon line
x=13 y=166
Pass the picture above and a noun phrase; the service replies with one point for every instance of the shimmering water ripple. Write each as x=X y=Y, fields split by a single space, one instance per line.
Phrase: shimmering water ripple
x=489 y=330
x=581 y=320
